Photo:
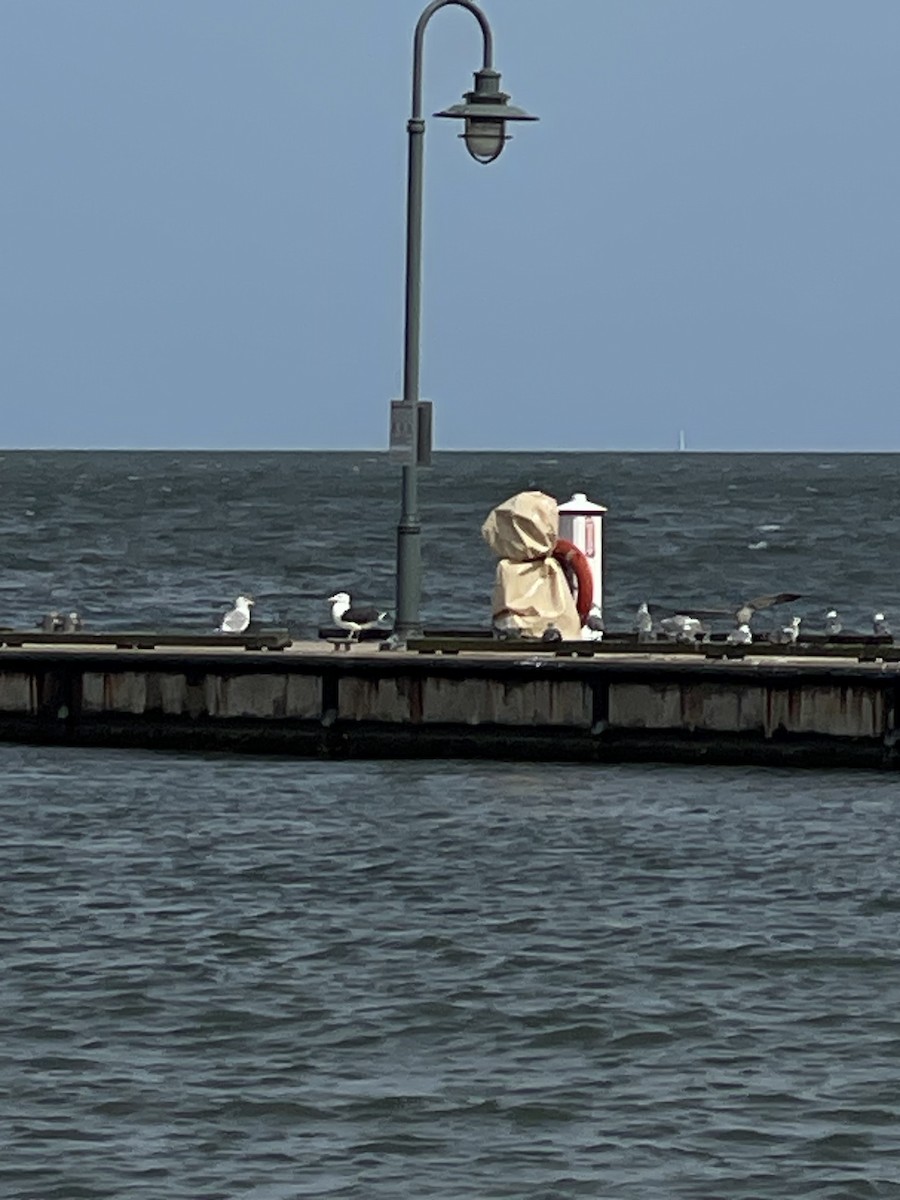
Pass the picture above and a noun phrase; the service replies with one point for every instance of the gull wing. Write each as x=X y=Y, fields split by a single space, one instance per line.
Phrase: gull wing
x=707 y=614
x=759 y=602
x=658 y=611
x=234 y=622
x=363 y=614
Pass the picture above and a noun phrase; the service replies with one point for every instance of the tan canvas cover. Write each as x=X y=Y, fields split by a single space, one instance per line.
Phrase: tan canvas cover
x=530 y=590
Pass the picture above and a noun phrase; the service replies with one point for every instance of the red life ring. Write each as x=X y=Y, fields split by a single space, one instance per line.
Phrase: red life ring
x=578 y=574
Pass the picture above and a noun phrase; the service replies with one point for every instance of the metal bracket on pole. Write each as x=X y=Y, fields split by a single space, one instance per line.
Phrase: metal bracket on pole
x=411 y=433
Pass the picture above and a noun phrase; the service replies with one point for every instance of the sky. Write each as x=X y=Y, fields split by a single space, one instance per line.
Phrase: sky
x=202 y=225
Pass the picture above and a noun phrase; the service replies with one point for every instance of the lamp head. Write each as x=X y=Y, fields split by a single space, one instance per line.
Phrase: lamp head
x=485 y=111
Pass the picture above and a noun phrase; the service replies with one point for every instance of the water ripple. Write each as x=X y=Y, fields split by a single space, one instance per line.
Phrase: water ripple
x=254 y=978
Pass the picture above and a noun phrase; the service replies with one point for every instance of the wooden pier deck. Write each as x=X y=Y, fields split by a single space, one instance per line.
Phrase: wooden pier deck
x=812 y=704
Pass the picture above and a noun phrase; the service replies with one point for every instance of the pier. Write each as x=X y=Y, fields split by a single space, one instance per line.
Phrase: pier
x=449 y=698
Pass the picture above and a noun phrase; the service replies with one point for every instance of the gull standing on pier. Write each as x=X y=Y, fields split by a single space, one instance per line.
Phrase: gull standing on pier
x=593 y=628
x=788 y=635
x=356 y=617
x=237 y=620
x=682 y=627
x=833 y=623
x=643 y=622
x=880 y=626
x=741 y=635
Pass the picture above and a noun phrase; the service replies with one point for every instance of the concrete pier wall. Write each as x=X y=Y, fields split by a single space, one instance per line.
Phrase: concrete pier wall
x=308 y=702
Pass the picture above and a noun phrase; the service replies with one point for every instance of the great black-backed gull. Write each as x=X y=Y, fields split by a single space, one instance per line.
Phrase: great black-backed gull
x=237 y=620
x=354 y=617
x=833 y=623
x=880 y=626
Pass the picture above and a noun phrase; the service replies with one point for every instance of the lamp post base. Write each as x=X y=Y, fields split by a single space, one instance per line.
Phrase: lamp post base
x=407 y=621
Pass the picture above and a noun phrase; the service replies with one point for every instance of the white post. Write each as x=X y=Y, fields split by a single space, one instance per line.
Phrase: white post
x=581 y=522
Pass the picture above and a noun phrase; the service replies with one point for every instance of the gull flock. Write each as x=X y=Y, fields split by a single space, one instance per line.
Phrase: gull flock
x=694 y=626
x=651 y=623
x=355 y=618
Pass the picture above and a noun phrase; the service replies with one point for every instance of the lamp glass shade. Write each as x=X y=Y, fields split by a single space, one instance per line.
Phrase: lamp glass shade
x=484 y=138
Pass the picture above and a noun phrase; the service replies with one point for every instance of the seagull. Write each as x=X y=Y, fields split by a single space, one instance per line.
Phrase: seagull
x=353 y=618
x=788 y=635
x=741 y=635
x=238 y=619
x=593 y=628
x=744 y=613
x=833 y=623
x=880 y=626
x=682 y=628
x=643 y=622
x=71 y=623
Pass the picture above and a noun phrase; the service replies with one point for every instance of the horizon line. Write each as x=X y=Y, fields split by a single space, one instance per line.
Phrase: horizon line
x=126 y=449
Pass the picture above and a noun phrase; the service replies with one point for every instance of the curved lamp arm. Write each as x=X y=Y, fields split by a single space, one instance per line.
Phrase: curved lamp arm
x=416 y=130
x=419 y=39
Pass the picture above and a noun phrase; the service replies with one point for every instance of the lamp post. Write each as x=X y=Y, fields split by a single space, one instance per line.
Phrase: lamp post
x=485 y=111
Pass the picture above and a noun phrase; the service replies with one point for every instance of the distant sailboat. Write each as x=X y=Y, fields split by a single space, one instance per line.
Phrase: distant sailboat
x=682 y=444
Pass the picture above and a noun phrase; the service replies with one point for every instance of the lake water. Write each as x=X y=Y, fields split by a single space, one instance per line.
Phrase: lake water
x=148 y=539
x=268 y=978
